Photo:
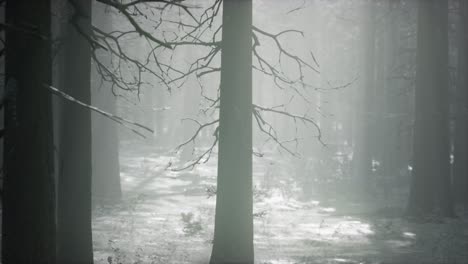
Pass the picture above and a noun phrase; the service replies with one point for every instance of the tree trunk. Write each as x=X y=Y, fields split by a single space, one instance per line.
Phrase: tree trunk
x=233 y=234
x=105 y=138
x=465 y=56
x=74 y=184
x=460 y=166
x=28 y=218
x=430 y=186
x=362 y=158
x=160 y=120
x=190 y=110
x=391 y=116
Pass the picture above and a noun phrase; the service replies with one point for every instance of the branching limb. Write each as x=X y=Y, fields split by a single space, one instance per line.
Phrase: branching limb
x=204 y=156
x=268 y=129
x=197 y=132
x=118 y=119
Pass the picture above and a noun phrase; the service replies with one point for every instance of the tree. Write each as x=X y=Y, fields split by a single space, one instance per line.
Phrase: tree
x=362 y=154
x=28 y=217
x=105 y=139
x=430 y=185
x=74 y=184
x=233 y=235
x=239 y=44
x=74 y=234
x=460 y=165
x=465 y=56
x=389 y=101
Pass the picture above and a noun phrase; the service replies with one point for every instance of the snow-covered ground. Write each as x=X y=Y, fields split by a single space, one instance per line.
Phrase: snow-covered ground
x=167 y=217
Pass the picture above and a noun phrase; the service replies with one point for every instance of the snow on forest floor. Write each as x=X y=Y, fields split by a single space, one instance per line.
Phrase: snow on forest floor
x=167 y=217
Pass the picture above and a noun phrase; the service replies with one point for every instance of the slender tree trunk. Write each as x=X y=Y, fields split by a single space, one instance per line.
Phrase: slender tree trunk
x=105 y=148
x=105 y=138
x=233 y=234
x=390 y=128
x=74 y=184
x=380 y=131
x=191 y=107
x=465 y=56
x=160 y=120
x=28 y=218
x=362 y=158
x=146 y=104
x=430 y=186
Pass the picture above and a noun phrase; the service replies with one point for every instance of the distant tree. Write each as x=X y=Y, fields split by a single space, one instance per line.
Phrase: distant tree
x=105 y=138
x=28 y=211
x=388 y=100
x=160 y=117
x=465 y=56
x=430 y=185
x=363 y=129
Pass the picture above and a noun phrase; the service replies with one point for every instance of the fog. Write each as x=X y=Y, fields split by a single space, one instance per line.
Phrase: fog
x=235 y=131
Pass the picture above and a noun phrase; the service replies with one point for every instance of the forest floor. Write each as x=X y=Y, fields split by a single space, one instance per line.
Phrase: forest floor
x=167 y=217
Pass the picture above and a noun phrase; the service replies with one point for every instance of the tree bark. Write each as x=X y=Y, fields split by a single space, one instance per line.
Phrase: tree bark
x=74 y=184
x=465 y=56
x=430 y=186
x=233 y=234
x=460 y=166
x=28 y=217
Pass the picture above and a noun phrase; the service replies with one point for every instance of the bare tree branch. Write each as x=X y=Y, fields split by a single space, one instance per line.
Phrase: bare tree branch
x=113 y=117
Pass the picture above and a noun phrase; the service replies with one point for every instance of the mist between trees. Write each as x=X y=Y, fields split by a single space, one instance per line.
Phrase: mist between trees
x=234 y=131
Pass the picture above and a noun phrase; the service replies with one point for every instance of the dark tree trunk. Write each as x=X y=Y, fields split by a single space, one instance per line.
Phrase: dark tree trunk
x=465 y=56
x=74 y=184
x=233 y=234
x=430 y=186
x=105 y=138
x=28 y=218
x=460 y=166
